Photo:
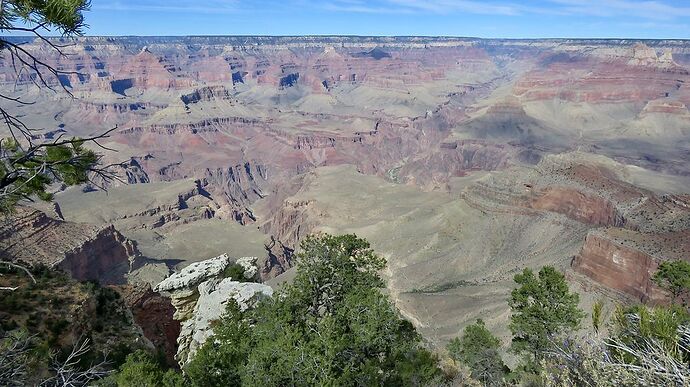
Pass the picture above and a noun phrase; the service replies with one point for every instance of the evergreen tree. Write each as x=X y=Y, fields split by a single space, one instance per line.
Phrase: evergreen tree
x=674 y=276
x=27 y=165
x=332 y=326
x=141 y=370
x=542 y=308
x=479 y=350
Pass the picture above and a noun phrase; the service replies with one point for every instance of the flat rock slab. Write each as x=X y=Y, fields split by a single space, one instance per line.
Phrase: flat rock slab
x=195 y=274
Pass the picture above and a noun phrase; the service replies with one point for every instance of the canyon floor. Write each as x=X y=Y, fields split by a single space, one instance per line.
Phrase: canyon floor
x=462 y=161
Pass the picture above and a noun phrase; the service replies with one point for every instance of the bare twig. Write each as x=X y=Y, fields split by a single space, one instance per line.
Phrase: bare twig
x=69 y=374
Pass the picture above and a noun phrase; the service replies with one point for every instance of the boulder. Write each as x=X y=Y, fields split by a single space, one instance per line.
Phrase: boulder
x=249 y=266
x=194 y=274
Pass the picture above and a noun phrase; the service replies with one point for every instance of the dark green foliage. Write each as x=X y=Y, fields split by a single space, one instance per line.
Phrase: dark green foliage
x=597 y=310
x=674 y=276
x=142 y=370
x=65 y=15
x=479 y=350
x=221 y=360
x=331 y=326
x=27 y=173
x=236 y=272
x=542 y=308
x=105 y=297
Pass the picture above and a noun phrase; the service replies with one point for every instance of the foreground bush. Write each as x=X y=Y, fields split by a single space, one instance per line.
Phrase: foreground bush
x=331 y=326
x=479 y=350
x=642 y=352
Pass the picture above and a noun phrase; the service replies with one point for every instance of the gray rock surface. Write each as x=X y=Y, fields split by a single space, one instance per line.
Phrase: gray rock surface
x=200 y=296
x=214 y=296
x=249 y=266
x=194 y=274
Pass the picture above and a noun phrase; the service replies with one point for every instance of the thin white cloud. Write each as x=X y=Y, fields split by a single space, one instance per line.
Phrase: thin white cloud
x=212 y=6
x=640 y=9
x=616 y=8
x=644 y=9
x=452 y=6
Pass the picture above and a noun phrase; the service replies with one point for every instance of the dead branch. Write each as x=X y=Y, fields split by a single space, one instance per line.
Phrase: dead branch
x=69 y=374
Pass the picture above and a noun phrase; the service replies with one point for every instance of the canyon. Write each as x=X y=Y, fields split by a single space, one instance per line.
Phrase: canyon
x=461 y=160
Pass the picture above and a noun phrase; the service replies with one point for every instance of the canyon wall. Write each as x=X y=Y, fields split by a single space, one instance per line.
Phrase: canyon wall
x=87 y=252
x=491 y=155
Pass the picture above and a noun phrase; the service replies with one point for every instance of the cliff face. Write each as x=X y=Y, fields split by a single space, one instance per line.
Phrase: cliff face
x=578 y=205
x=618 y=267
x=154 y=314
x=99 y=256
x=86 y=252
x=657 y=229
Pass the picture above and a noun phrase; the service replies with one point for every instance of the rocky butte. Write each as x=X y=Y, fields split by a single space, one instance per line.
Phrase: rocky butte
x=462 y=161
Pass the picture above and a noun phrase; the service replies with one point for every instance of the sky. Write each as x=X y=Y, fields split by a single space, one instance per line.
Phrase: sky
x=472 y=18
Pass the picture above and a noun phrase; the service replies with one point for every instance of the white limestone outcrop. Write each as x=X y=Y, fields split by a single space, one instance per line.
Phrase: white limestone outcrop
x=249 y=266
x=214 y=296
x=194 y=274
x=200 y=296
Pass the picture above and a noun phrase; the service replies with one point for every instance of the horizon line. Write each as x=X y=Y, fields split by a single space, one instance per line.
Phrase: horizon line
x=353 y=36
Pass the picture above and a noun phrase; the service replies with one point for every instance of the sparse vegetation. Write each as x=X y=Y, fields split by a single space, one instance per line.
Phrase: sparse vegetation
x=649 y=349
x=64 y=325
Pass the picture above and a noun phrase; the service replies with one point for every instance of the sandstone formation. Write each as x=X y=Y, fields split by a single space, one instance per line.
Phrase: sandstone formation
x=85 y=251
x=154 y=314
x=200 y=295
x=462 y=160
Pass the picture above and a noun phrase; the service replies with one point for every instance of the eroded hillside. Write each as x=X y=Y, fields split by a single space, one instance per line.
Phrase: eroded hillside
x=462 y=161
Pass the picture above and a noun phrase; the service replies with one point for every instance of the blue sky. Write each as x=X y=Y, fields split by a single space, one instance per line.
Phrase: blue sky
x=480 y=18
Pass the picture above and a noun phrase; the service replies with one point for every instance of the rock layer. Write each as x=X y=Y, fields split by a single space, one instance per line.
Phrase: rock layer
x=154 y=314
x=87 y=252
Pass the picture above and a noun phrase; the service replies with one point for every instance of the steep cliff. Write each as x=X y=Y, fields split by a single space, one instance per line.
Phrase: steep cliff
x=626 y=260
x=87 y=252
x=153 y=313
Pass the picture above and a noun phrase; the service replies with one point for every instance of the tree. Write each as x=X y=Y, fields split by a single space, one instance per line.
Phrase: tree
x=221 y=360
x=674 y=276
x=479 y=350
x=542 y=308
x=140 y=369
x=332 y=326
x=27 y=164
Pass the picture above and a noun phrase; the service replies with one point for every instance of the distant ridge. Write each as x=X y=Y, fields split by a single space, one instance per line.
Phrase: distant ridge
x=353 y=40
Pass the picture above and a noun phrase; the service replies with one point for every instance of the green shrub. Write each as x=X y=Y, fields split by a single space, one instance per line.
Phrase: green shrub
x=331 y=326
x=479 y=350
